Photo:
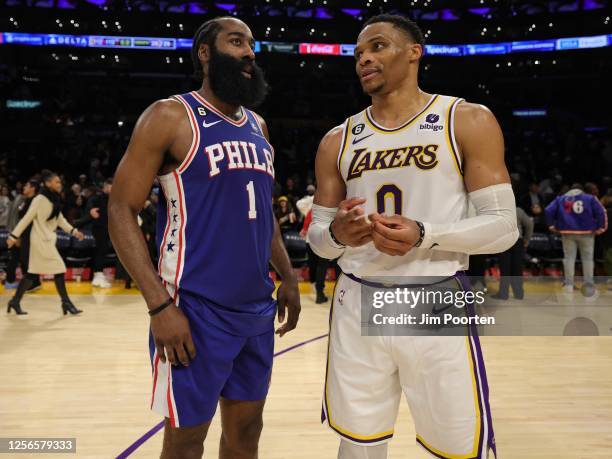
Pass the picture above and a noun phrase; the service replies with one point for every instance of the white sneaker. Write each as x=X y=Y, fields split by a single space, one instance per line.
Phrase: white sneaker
x=568 y=288
x=100 y=281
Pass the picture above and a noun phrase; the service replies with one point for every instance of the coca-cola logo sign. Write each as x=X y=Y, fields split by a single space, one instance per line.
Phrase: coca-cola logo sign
x=319 y=48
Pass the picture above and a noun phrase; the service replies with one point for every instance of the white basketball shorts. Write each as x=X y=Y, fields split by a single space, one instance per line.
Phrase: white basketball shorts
x=442 y=377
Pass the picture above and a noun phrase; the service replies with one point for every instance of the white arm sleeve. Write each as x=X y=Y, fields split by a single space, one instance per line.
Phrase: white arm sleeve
x=318 y=237
x=492 y=230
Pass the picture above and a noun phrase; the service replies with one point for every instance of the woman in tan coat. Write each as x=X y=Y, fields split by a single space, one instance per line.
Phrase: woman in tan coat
x=45 y=216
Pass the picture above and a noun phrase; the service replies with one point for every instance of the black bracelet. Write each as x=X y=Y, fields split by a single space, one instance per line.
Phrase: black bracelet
x=421 y=234
x=160 y=308
x=72 y=230
x=331 y=233
x=13 y=236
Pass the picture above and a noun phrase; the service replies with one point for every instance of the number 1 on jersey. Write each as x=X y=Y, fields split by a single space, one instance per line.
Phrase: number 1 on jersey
x=252 y=210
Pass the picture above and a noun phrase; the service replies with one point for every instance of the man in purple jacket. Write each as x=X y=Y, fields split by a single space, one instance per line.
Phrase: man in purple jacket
x=578 y=216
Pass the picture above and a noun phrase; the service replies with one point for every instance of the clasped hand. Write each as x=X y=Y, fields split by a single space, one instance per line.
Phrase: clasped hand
x=393 y=235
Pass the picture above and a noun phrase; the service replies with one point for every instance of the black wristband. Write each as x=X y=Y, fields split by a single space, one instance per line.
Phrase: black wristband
x=421 y=234
x=160 y=308
x=72 y=231
x=13 y=236
x=331 y=233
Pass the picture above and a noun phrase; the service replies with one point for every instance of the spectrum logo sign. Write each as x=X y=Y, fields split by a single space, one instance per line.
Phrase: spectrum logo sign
x=318 y=48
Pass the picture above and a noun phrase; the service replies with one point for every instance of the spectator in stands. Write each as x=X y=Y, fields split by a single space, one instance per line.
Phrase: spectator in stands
x=45 y=216
x=5 y=205
x=550 y=186
x=317 y=266
x=578 y=216
x=76 y=212
x=70 y=205
x=83 y=182
x=97 y=218
x=305 y=204
x=606 y=238
x=285 y=214
x=511 y=261
x=17 y=190
x=88 y=192
x=592 y=189
x=533 y=204
x=20 y=253
x=291 y=192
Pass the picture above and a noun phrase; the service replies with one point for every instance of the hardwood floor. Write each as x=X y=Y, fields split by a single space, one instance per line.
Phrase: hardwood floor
x=89 y=377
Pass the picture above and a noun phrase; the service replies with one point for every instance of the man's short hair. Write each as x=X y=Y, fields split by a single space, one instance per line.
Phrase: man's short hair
x=206 y=34
x=408 y=26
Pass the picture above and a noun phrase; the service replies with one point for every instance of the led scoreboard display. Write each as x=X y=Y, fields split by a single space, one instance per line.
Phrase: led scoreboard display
x=324 y=49
x=132 y=42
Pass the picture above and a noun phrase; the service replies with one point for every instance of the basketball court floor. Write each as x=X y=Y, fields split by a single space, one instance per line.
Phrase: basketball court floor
x=89 y=377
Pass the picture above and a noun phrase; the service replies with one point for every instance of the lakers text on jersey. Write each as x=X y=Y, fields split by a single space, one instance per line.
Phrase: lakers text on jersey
x=413 y=170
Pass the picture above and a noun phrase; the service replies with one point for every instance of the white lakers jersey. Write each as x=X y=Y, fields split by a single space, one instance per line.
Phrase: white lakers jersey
x=413 y=170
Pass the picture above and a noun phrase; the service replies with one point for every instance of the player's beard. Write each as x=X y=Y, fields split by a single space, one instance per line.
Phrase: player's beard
x=230 y=85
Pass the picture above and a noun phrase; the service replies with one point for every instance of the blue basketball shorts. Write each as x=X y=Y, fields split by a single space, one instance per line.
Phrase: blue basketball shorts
x=226 y=365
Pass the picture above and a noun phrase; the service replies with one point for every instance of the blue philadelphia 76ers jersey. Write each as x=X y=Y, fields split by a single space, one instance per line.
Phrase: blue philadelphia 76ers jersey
x=215 y=221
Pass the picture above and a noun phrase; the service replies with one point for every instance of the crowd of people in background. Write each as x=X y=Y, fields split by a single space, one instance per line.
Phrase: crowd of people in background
x=542 y=207
x=84 y=205
x=579 y=213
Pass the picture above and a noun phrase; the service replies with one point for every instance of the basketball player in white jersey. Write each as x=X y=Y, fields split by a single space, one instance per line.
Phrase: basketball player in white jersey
x=392 y=199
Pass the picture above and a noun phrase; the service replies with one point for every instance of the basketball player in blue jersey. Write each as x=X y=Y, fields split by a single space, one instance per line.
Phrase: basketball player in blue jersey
x=393 y=187
x=210 y=299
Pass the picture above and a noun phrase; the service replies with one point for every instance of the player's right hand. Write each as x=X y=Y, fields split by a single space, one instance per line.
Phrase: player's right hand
x=351 y=225
x=172 y=336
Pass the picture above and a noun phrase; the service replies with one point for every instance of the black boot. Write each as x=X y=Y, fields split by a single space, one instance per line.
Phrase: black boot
x=36 y=285
x=68 y=307
x=321 y=298
x=16 y=306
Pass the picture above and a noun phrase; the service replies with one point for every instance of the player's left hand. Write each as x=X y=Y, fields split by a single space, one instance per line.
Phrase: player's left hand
x=394 y=235
x=80 y=236
x=10 y=242
x=288 y=299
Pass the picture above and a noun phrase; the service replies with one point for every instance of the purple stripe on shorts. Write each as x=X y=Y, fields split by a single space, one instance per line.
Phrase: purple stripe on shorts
x=466 y=285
